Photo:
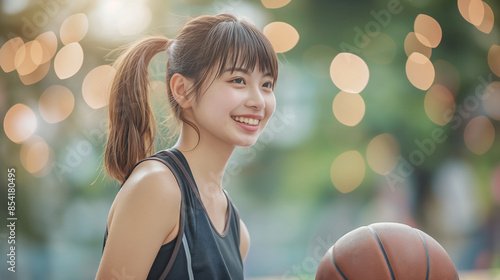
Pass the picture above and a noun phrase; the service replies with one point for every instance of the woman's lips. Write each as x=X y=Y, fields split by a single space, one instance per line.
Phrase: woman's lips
x=247 y=123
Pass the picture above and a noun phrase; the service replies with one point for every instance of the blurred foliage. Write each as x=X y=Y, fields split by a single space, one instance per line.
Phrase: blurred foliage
x=281 y=185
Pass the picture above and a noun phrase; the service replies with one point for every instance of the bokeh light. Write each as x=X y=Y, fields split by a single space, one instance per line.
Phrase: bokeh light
x=37 y=75
x=134 y=19
x=68 y=60
x=476 y=12
x=275 y=4
x=488 y=21
x=420 y=71
x=56 y=104
x=47 y=42
x=282 y=36
x=37 y=52
x=428 y=31
x=491 y=100
x=479 y=135
x=8 y=53
x=439 y=104
x=124 y=18
x=412 y=44
x=348 y=171
x=74 y=28
x=447 y=75
x=19 y=123
x=14 y=6
x=47 y=168
x=349 y=72
x=35 y=154
x=381 y=49
x=463 y=8
x=26 y=57
x=316 y=60
x=494 y=59
x=392 y=148
x=348 y=108
x=383 y=153
x=96 y=86
x=471 y=10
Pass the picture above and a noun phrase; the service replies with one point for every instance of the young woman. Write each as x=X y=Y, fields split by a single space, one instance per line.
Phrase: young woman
x=171 y=219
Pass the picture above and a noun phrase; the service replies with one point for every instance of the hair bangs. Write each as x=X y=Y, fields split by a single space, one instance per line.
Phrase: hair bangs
x=239 y=45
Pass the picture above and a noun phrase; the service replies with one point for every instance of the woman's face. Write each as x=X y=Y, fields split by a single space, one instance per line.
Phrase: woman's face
x=236 y=107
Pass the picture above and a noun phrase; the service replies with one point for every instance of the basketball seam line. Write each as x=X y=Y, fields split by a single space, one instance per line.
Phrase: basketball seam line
x=338 y=268
x=383 y=251
x=426 y=254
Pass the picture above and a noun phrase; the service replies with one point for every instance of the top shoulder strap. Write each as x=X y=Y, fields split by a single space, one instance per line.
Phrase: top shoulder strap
x=235 y=211
x=180 y=235
x=172 y=154
x=175 y=169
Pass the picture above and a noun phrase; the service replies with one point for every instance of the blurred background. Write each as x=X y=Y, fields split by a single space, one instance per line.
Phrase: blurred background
x=387 y=111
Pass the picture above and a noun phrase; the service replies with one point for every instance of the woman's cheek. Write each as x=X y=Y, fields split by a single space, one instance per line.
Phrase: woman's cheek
x=270 y=105
x=268 y=110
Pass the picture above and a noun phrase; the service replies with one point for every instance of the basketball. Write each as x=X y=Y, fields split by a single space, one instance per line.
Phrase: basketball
x=386 y=251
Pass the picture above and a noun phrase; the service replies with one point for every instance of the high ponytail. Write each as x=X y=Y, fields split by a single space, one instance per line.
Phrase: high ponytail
x=131 y=124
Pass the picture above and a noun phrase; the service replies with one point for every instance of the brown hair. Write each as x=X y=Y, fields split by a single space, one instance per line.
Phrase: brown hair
x=205 y=44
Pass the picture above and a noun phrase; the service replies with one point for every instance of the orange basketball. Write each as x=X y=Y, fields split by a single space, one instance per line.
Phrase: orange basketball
x=386 y=251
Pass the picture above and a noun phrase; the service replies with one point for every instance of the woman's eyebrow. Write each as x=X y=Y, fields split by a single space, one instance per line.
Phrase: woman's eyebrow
x=245 y=71
x=231 y=70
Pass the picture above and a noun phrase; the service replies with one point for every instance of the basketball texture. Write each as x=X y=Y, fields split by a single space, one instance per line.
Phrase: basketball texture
x=386 y=251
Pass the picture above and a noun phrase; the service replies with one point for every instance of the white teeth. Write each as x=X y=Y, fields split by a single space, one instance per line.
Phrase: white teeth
x=248 y=121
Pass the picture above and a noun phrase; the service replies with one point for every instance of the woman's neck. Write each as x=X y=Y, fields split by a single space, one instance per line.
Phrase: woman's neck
x=207 y=159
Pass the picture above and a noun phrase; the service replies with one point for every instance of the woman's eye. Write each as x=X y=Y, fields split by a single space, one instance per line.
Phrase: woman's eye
x=238 y=81
x=268 y=85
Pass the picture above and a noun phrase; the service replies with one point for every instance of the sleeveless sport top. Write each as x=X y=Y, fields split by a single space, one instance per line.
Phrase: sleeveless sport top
x=199 y=251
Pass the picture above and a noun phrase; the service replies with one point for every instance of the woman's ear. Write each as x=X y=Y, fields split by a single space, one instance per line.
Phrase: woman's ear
x=180 y=85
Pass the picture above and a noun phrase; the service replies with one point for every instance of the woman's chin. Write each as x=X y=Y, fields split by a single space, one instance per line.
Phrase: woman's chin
x=246 y=143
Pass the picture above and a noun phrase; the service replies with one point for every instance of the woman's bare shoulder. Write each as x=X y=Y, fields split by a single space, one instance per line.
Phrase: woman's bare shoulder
x=151 y=183
x=144 y=214
x=151 y=175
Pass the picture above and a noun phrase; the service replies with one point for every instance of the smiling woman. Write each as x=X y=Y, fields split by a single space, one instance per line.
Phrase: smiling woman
x=220 y=106
x=222 y=96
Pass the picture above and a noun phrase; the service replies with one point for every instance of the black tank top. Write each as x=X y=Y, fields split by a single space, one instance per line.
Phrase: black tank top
x=199 y=251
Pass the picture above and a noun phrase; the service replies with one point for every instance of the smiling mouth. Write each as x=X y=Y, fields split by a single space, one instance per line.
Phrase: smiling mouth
x=247 y=121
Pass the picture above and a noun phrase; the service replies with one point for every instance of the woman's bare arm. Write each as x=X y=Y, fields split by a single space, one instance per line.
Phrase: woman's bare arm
x=244 y=240
x=144 y=215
